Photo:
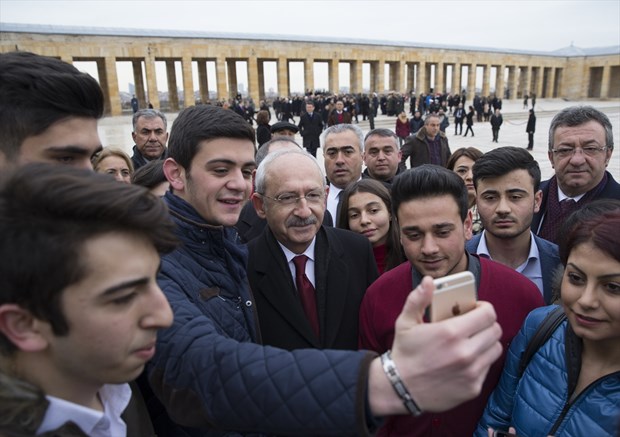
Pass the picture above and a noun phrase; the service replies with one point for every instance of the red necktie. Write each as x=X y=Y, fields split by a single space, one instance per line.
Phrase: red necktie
x=306 y=292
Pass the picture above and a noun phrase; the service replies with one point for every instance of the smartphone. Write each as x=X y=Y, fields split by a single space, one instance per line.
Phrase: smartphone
x=454 y=295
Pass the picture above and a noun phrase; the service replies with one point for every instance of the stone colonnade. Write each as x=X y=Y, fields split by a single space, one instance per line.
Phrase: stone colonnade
x=515 y=74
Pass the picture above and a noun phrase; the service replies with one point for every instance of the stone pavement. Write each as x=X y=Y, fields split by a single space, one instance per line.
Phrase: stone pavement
x=116 y=131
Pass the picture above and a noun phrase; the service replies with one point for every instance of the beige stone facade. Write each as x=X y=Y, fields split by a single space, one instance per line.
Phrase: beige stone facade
x=572 y=76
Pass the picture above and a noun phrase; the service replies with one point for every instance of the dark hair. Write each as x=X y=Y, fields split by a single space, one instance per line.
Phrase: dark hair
x=47 y=213
x=200 y=123
x=38 y=91
x=150 y=174
x=596 y=222
x=503 y=160
x=395 y=255
x=263 y=117
x=469 y=152
x=578 y=115
x=383 y=133
x=429 y=180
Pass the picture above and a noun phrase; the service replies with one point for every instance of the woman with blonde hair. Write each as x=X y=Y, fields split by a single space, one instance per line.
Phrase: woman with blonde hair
x=114 y=162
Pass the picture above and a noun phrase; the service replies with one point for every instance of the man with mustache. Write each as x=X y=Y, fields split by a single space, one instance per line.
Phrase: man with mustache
x=433 y=216
x=308 y=280
x=507 y=181
x=343 y=152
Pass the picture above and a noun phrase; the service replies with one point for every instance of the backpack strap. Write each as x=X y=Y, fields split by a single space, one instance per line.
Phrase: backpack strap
x=549 y=324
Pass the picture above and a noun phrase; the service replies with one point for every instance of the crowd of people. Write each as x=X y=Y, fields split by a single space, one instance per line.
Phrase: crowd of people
x=205 y=286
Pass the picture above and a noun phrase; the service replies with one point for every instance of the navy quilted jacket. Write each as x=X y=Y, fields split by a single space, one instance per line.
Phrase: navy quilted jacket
x=208 y=371
x=537 y=404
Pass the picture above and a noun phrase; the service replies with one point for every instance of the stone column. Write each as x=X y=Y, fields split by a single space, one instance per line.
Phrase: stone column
x=471 y=82
x=108 y=80
x=605 y=82
x=380 y=76
x=527 y=80
x=138 y=81
x=539 y=81
x=456 y=78
x=220 y=67
x=440 y=77
x=421 y=78
x=64 y=57
x=401 y=86
x=188 y=81
x=499 y=82
x=232 y=77
x=486 y=81
x=203 y=80
x=283 y=90
x=410 y=76
x=309 y=74
x=512 y=82
x=334 y=84
x=551 y=84
x=253 y=91
x=151 y=80
x=261 y=80
x=356 y=76
x=173 y=95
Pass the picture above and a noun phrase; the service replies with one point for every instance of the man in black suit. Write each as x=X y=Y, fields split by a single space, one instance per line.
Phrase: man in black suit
x=581 y=143
x=310 y=128
x=308 y=280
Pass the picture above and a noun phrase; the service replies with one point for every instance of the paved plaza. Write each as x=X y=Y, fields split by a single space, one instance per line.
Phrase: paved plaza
x=116 y=131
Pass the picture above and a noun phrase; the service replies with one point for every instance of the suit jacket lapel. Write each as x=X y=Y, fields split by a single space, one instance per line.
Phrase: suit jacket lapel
x=277 y=286
x=332 y=281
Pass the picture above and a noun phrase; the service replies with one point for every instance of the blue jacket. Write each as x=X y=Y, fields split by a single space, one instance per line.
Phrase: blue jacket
x=209 y=373
x=537 y=403
x=549 y=261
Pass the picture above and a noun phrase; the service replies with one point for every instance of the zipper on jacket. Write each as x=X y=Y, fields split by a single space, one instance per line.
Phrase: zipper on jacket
x=568 y=405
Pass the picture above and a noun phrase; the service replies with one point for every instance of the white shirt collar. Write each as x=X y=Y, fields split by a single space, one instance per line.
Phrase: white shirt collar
x=562 y=196
x=531 y=268
x=106 y=423
x=309 y=252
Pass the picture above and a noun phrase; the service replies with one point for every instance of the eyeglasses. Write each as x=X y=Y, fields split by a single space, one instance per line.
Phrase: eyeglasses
x=566 y=152
x=314 y=197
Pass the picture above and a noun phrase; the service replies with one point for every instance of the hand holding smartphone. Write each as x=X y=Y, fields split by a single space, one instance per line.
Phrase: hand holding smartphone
x=454 y=295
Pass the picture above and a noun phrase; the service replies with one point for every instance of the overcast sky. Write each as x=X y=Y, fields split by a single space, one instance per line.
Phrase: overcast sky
x=522 y=24
x=541 y=25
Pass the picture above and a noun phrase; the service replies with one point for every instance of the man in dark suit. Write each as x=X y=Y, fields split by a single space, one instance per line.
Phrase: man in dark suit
x=310 y=128
x=339 y=115
x=308 y=280
x=581 y=143
x=507 y=181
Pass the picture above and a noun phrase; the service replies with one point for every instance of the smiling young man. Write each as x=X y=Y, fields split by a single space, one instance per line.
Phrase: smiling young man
x=581 y=143
x=208 y=371
x=79 y=303
x=48 y=112
x=507 y=181
x=431 y=206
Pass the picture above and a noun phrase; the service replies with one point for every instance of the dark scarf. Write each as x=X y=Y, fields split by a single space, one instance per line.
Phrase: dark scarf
x=557 y=212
